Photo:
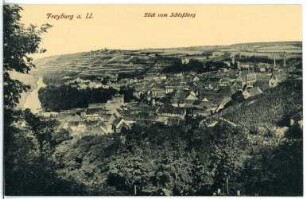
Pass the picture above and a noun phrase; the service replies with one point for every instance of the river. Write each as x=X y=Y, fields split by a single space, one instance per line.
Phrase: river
x=32 y=101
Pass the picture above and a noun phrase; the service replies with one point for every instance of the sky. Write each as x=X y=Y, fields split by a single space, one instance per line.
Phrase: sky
x=125 y=27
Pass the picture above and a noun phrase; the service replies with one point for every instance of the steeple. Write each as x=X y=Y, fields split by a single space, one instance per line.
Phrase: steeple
x=274 y=62
x=284 y=64
x=233 y=59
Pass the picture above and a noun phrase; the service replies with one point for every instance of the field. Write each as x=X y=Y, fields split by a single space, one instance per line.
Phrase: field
x=109 y=61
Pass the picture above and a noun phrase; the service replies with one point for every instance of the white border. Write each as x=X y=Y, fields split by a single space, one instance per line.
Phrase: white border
x=155 y=1
x=301 y=2
x=1 y=109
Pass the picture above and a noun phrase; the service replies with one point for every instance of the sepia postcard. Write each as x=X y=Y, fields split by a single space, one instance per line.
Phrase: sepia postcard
x=152 y=100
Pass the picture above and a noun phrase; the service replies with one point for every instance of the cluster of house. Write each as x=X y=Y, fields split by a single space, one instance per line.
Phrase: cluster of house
x=204 y=91
x=98 y=118
x=168 y=98
x=83 y=84
x=181 y=94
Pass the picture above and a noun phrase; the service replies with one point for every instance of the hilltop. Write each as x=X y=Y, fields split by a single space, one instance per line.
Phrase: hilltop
x=114 y=61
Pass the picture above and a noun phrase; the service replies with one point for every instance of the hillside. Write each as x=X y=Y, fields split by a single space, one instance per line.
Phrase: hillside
x=273 y=108
x=110 y=62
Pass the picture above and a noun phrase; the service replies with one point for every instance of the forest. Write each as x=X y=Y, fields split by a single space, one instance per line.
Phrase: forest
x=57 y=98
x=184 y=160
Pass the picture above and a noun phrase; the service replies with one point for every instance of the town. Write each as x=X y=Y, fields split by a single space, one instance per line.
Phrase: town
x=169 y=98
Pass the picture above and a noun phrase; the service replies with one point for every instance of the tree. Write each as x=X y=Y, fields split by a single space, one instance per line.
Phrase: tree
x=202 y=178
x=277 y=171
x=130 y=173
x=28 y=139
x=42 y=130
x=227 y=148
x=128 y=93
x=18 y=42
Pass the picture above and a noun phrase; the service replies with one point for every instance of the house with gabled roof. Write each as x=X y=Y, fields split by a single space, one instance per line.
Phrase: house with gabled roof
x=179 y=98
x=224 y=101
x=250 y=92
x=196 y=79
x=77 y=126
x=170 y=111
x=274 y=80
x=170 y=89
x=247 y=78
x=192 y=96
x=202 y=104
x=224 y=82
x=158 y=92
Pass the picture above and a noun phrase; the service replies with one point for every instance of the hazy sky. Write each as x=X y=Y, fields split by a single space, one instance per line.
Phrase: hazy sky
x=124 y=27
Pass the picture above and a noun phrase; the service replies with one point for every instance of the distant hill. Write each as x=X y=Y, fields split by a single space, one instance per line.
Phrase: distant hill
x=112 y=61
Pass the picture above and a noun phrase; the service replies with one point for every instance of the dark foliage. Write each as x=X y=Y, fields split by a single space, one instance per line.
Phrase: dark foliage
x=128 y=93
x=277 y=171
x=28 y=141
x=196 y=66
x=66 y=97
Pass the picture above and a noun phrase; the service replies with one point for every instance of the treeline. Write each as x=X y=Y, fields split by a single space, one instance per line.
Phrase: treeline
x=156 y=160
x=261 y=59
x=66 y=97
x=256 y=59
x=184 y=160
x=193 y=66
